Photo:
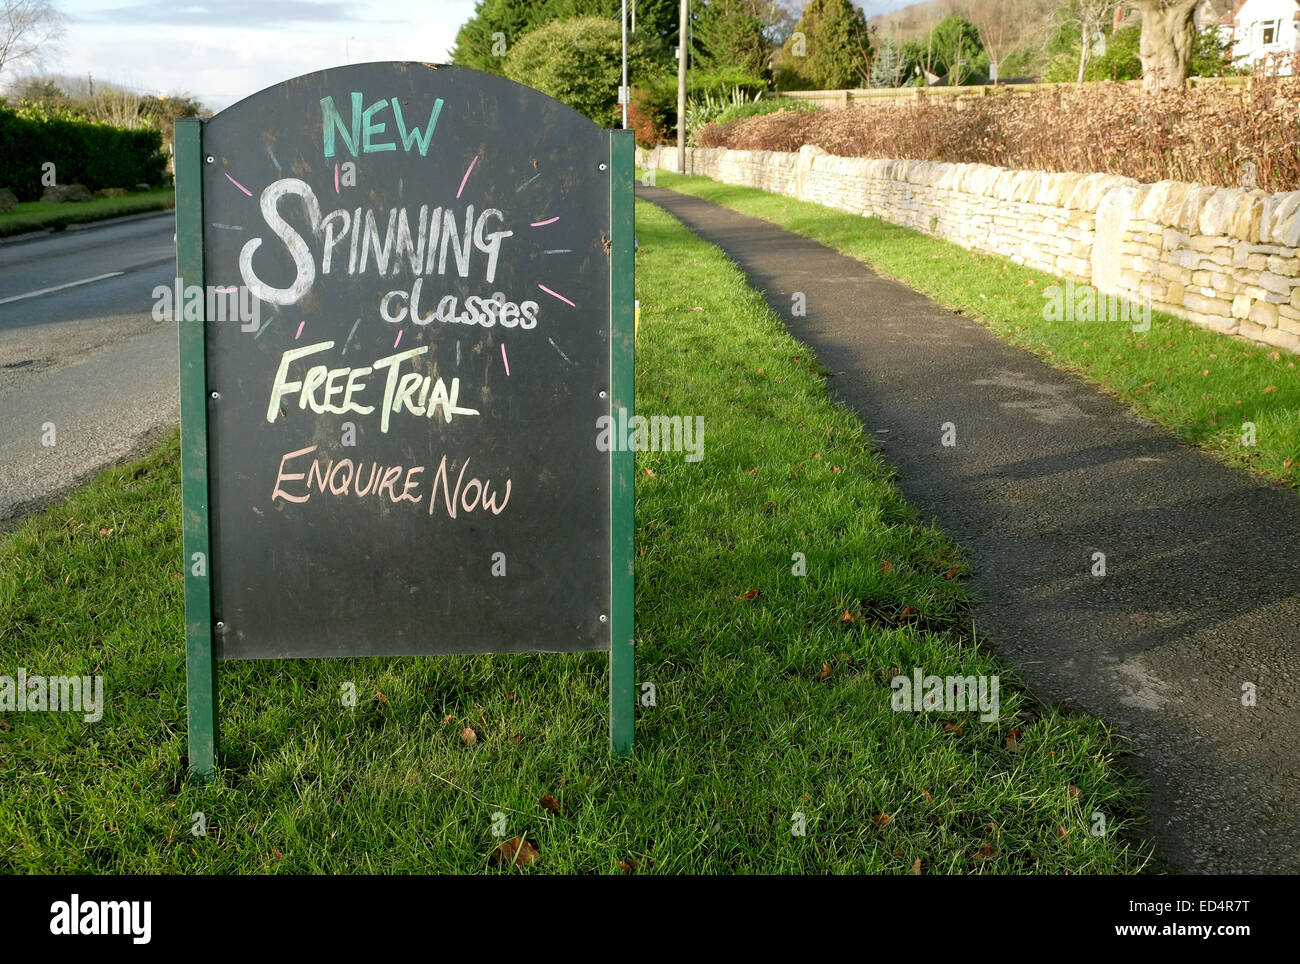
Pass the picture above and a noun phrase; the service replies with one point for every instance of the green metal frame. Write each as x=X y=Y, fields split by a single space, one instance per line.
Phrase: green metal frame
x=622 y=468
x=200 y=661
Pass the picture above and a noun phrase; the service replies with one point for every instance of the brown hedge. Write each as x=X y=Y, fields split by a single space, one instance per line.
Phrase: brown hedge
x=1204 y=134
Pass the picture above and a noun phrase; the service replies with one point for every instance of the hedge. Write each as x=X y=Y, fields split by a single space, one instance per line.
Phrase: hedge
x=95 y=155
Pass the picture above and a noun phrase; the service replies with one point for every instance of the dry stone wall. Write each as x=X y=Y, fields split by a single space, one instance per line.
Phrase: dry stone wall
x=1225 y=258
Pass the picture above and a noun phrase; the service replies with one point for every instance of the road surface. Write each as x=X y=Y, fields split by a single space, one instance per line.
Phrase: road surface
x=83 y=363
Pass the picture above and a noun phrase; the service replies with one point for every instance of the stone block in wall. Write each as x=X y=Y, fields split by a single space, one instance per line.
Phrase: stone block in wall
x=1280 y=219
x=1281 y=338
x=1207 y=306
x=1262 y=313
x=1164 y=202
x=1113 y=212
x=1287 y=267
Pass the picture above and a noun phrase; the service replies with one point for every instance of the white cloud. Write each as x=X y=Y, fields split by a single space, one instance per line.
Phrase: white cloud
x=233 y=55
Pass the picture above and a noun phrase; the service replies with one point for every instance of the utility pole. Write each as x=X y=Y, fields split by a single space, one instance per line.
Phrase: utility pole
x=681 y=87
x=623 y=92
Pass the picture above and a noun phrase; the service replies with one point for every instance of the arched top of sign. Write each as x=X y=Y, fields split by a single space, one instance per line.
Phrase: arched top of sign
x=413 y=78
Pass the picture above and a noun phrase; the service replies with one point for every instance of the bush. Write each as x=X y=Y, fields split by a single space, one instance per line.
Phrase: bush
x=579 y=62
x=1204 y=134
x=758 y=108
x=653 y=111
x=96 y=155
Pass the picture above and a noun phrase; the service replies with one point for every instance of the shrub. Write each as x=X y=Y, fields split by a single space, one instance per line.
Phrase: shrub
x=756 y=108
x=653 y=111
x=578 y=62
x=96 y=155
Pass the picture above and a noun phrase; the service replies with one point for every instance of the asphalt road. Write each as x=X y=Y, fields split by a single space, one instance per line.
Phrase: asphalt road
x=80 y=350
x=1201 y=593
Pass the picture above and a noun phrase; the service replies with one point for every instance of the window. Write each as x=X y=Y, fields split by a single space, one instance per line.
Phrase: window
x=1269 y=31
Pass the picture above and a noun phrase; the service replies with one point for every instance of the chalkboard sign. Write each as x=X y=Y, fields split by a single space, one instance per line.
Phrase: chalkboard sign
x=416 y=306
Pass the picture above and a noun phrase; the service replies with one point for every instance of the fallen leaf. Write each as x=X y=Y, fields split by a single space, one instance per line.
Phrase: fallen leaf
x=886 y=566
x=468 y=736
x=952 y=573
x=749 y=594
x=1275 y=355
x=928 y=798
x=651 y=473
x=1205 y=371
x=1270 y=390
x=447 y=719
x=1075 y=792
x=847 y=617
x=551 y=804
x=516 y=851
x=379 y=695
x=825 y=674
x=916 y=866
x=986 y=852
x=627 y=866
x=105 y=532
x=836 y=469
x=881 y=819
x=952 y=728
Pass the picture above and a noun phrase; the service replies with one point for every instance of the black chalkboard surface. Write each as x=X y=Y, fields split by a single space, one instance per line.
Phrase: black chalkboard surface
x=402 y=447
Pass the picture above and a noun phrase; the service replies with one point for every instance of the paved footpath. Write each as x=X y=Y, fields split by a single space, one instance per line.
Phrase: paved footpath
x=1202 y=585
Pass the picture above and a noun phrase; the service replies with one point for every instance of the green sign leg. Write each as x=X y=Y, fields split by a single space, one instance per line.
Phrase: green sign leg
x=622 y=655
x=200 y=664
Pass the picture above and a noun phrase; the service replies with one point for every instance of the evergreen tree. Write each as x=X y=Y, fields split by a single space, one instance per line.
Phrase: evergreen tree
x=829 y=49
x=729 y=35
x=889 y=66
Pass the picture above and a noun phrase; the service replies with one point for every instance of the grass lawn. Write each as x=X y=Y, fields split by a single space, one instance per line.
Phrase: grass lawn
x=1202 y=385
x=35 y=216
x=772 y=689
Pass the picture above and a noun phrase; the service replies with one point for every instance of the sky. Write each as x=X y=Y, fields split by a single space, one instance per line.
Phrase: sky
x=221 y=52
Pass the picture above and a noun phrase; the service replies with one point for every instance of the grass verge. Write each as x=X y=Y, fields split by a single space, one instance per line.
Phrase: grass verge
x=1206 y=387
x=772 y=693
x=36 y=216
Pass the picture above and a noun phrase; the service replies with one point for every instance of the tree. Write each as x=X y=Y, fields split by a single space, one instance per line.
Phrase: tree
x=1088 y=21
x=957 y=51
x=578 y=61
x=1006 y=26
x=28 y=29
x=1168 y=41
x=730 y=36
x=484 y=41
x=889 y=66
x=830 y=48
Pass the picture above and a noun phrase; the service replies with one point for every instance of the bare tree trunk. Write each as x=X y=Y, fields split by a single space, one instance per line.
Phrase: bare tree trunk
x=1168 y=36
x=1083 y=50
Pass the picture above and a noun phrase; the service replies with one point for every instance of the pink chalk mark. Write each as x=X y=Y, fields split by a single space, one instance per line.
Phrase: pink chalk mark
x=466 y=177
x=301 y=325
x=542 y=224
x=399 y=339
x=557 y=295
x=238 y=185
x=336 y=179
x=505 y=359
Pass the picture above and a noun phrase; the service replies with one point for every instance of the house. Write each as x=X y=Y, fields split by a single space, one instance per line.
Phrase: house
x=1261 y=31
